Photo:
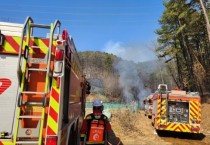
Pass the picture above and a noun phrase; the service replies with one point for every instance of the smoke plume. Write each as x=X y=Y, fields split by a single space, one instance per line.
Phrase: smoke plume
x=130 y=82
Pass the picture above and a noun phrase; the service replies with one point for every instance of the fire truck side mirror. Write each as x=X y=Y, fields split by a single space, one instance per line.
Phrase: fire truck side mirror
x=144 y=102
x=88 y=87
x=1 y=39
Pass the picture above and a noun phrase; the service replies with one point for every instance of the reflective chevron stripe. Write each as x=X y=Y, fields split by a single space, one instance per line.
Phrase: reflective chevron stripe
x=158 y=112
x=12 y=45
x=199 y=113
x=163 y=109
x=195 y=111
x=52 y=121
x=179 y=127
x=6 y=143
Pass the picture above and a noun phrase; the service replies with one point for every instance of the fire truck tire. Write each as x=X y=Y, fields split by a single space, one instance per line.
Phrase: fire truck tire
x=71 y=138
x=77 y=133
x=74 y=135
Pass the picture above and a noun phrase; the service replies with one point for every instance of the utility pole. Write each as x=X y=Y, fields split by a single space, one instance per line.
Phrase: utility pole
x=206 y=18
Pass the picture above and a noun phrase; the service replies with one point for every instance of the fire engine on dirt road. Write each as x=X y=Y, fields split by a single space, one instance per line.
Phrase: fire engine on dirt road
x=42 y=87
x=176 y=110
x=148 y=106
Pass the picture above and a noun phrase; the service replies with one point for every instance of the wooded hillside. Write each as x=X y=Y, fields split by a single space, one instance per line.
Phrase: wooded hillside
x=112 y=76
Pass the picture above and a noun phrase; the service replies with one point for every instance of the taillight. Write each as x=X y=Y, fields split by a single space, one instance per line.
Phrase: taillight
x=59 y=54
x=59 y=42
x=65 y=35
x=52 y=140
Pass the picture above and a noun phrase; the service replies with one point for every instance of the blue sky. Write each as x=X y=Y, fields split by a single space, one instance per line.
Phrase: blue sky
x=122 y=27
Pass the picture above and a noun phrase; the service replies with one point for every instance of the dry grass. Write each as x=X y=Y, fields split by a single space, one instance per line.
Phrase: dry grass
x=133 y=128
x=127 y=121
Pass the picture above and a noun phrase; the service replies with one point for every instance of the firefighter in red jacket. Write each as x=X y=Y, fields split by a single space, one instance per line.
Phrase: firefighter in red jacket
x=95 y=127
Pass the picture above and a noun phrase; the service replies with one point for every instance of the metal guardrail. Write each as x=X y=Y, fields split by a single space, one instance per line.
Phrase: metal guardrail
x=132 y=107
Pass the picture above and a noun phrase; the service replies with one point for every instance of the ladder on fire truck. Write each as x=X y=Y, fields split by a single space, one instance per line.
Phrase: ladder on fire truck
x=163 y=89
x=27 y=64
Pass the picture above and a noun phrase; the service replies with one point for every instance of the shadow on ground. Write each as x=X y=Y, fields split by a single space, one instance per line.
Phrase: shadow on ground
x=113 y=139
x=181 y=135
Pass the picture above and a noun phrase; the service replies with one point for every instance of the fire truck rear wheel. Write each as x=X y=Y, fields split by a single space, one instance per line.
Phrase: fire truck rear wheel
x=72 y=140
x=71 y=137
x=74 y=135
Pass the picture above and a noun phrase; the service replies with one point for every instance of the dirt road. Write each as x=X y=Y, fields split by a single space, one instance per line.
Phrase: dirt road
x=136 y=129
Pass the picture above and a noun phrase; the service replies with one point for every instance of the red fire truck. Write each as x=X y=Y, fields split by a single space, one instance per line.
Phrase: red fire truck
x=176 y=110
x=42 y=86
x=148 y=106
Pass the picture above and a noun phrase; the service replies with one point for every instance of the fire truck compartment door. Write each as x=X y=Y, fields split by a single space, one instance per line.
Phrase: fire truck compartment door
x=8 y=91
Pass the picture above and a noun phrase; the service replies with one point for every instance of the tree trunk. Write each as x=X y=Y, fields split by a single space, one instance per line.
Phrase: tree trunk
x=206 y=18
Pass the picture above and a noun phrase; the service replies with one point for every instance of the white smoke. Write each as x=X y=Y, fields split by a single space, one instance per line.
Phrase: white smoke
x=130 y=82
x=132 y=52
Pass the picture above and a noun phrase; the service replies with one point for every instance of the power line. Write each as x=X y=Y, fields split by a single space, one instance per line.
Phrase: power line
x=83 y=7
x=83 y=22
x=78 y=14
x=43 y=19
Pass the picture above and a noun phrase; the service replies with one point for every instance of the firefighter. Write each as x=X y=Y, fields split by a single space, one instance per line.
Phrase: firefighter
x=95 y=127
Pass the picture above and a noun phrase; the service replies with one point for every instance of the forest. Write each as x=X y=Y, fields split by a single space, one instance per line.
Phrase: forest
x=183 y=41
